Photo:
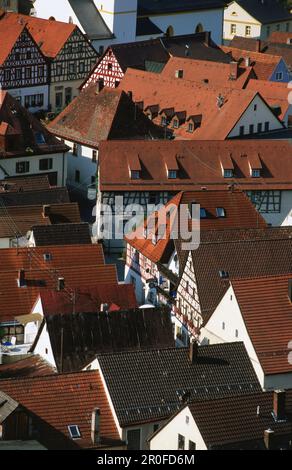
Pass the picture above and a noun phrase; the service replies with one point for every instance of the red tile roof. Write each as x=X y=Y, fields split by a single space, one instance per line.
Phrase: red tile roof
x=267 y=314
x=64 y=400
x=8 y=37
x=50 y=35
x=25 y=183
x=240 y=213
x=262 y=64
x=90 y=299
x=192 y=99
x=280 y=37
x=30 y=366
x=199 y=162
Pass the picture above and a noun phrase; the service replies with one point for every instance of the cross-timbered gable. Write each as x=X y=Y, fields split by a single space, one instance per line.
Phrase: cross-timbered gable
x=25 y=66
x=188 y=303
x=108 y=70
x=75 y=60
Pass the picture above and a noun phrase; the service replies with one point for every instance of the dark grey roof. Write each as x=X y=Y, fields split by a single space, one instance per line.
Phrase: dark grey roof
x=7 y=406
x=147 y=385
x=87 y=334
x=266 y=11
x=145 y=26
x=29 y=198
x=156 y=7
x=90 y=19
x=62 y=234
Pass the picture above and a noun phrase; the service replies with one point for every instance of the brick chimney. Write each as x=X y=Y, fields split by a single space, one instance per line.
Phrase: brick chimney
x=258 y=45
x=233 y=70
x=95 y=426
x=268 y=438
x=279 y=405
x=21 y=278
x=193 y=351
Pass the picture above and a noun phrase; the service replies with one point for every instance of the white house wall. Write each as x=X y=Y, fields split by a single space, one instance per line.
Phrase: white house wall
x=284 y=217
x=187 y=294
x=44 y=348
x=235 y=14
x=83 y=163
x=183 y=423
x=21 y=93
x=261 y=115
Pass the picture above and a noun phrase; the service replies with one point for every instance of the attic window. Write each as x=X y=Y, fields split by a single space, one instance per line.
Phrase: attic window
x=256 y=173
x=135 y=174
x=175 y=123
x=74 y=431
x=172 y=174
x=228 y=173
x=40 y=138
x=220 y=212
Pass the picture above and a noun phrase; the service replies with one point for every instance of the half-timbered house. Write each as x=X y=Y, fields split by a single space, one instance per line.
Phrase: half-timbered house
x=69 y=55
x=23 y=67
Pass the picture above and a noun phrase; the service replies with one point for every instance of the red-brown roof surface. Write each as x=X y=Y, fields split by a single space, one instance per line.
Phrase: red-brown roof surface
x=280 y=37
x=262 y=64
x=199 y=162
x=275 y=94
x=267 y=314
x=8 y=37
x=192 y=99
x=240 y=213
x=90 y=299
x=50 y=35
x=30 y=366
x=63 y=400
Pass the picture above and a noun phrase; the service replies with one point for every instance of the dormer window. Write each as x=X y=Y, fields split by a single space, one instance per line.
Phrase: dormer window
x=228 y=173
x=191 y=127
x=256 y=173
x=220 y=212
x=172 y=174
x=163 y=121
x=135 y=175
x=175 y=124
x=203 y=213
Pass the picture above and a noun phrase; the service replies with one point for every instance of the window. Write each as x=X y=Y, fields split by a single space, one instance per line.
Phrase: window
x=77 y=176
x=172 y=174
x=59 y=70
x=266 y=201
x=267 y=126
x=59 y=100
x=28 y=55
x=74 y=431
x=187 y=420
x=75 y=150
x=220 y=212
x=135 y=175
x=117 y=82
x=68 y=95
x=255 y=173
x=251 y=129
x=14 y=330
x=40 y=138
x=181 y=442
x=192 y=445
x=223 y=326
x=255 y=107
x=191 y=127
x=248 y=30
x=22 y=167
x=241 y=130
x=236 y=334
x=72 y=68
x=46 y=164
x=109 y=66
x=203 y=213
x=94 y=156
x=228 y=173
x=287 y=27
x=41 y=71
x=260 y=127
x=278 y=27
x=233 y=29
x=175 y=124
x=81 y=67
x=134 y=439
x=163 y=121
x=18 y=74
x=28 y=73
x=7 y=75
x=17 y=56
x=279 y=76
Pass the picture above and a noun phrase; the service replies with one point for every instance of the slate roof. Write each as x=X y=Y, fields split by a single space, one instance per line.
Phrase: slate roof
x=266 y=308
x=90 y=19
x=146 y=27
x=24 y=128
x=38 y=197
x=241 y=253
x=87 y=334
x=199 y=163
x=30 y=366
x=62 y=234
x=268 y=11
x=95 y=116
x=157 y=7
x=146 y=385
x=63 y=400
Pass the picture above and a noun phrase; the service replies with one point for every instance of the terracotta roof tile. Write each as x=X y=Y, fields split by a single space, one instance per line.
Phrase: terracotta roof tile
x=30 y=366
x=275 y=94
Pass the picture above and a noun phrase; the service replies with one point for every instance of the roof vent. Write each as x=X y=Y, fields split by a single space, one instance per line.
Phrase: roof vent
x=224 y=274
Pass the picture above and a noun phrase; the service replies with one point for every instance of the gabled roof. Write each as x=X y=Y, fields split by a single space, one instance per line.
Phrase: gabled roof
x=275 y=94
x=95 y=116
x=267 y=313
x=199 y=162
x=87 y=334
x=30 y=366
x=234 y=420
x=64 y=400
x=239 y=213
x=8 y=37
x=157 y=7
x=26 y=129
x=267 y=11
x=241 y=253
x=158 y=379
x=281 y=50
x=62 y=234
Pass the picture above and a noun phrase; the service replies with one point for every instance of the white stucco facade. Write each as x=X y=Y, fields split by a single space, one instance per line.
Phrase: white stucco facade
x=21 y=93
x=43 y=347
x=82 y=168
x=184 y=424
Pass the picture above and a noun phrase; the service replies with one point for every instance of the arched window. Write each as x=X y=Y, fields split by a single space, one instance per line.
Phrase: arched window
x=199 y=28
x=169 y=31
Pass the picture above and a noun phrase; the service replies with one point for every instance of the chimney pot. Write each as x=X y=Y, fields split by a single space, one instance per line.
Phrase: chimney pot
x=95 y=426
x=233 y=70
x=193 y=352
x=279 y=405
x=268 y=438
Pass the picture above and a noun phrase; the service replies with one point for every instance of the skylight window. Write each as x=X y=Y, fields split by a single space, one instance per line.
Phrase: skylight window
x=220 y=212
x=40 y=138
x=228 y=173
x=203 y=213
x=74 y=431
